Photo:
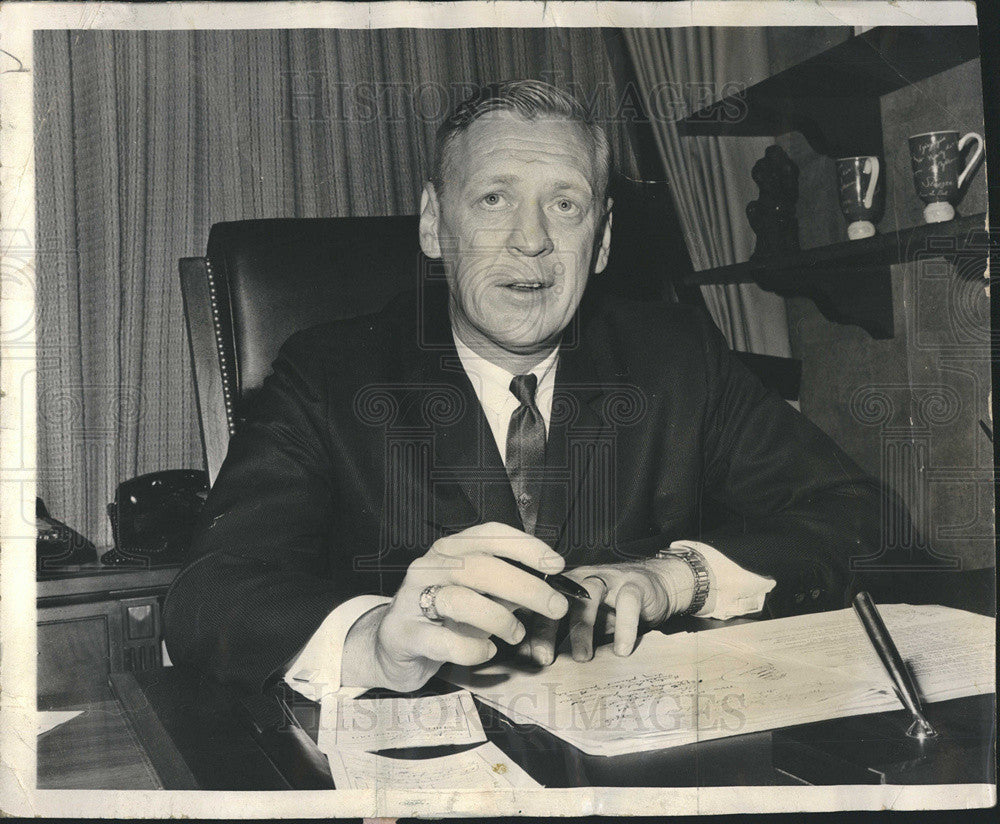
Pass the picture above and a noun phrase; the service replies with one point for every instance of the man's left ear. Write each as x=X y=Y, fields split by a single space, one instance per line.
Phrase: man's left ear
x=605 y=246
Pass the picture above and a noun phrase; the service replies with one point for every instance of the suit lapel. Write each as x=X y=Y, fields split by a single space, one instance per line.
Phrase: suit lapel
x=577 y=507
x=466 y=483
x=470 y=483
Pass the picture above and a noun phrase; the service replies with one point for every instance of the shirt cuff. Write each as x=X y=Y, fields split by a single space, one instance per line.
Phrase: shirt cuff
x=316 y=670
x=732 y=590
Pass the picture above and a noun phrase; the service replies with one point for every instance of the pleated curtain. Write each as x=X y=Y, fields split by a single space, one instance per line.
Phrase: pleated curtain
x=679 y=71
x=145 y=139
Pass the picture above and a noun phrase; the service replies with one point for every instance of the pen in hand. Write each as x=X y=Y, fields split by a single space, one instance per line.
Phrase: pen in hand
x=560 y=583
x=893 y=662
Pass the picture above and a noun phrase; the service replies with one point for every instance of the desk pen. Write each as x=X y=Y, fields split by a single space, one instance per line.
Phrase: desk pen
x=893 y=662
x=560 y=583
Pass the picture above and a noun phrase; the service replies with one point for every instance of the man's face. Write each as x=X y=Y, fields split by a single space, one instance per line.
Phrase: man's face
x=516 y=226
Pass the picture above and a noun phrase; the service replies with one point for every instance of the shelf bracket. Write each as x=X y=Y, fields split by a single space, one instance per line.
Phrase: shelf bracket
x=859 y=295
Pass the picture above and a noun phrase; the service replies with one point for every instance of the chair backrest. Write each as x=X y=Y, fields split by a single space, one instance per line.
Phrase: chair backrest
x=263 y=280
x=285 y=275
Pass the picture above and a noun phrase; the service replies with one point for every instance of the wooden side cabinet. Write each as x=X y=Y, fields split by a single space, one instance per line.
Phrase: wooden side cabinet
x=92 y=623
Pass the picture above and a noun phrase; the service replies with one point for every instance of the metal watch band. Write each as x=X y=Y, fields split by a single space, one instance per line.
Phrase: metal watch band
x=696 y=561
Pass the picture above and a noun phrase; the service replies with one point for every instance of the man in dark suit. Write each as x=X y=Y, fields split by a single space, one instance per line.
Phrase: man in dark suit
x=361 y=528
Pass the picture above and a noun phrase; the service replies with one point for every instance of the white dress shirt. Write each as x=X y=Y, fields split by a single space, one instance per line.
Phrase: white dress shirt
x=732 y=590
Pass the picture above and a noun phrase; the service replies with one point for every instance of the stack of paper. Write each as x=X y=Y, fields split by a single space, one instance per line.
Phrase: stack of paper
x=688 y=687
x=353 y=730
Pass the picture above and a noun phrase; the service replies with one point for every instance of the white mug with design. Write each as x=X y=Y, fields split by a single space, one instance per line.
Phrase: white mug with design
x=936 y=157
x=861 y=196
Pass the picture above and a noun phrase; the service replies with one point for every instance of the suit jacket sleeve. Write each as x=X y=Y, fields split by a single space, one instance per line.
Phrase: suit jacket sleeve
x=259 y=582
x=799 y=508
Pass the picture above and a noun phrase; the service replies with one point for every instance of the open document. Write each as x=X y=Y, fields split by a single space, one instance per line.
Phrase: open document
x=687 y=687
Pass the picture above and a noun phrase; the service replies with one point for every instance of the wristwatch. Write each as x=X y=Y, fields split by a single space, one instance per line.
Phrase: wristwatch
x=696 y=561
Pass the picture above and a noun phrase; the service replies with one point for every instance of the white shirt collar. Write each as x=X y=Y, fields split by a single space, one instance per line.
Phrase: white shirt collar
x=492 y=385
x=494 y=381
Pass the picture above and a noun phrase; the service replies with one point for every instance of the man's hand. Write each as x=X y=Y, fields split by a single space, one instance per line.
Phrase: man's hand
x=398 y=647
x=648 y=591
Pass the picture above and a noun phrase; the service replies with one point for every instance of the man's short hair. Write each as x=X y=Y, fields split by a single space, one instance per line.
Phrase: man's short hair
x=532 y=100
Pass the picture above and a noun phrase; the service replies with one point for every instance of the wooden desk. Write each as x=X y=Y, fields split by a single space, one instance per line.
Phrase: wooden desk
x=87 y=629
x=93 y=621
x=97 y=750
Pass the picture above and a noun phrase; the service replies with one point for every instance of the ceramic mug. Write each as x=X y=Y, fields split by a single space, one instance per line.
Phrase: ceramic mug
x=936 y=157
x=861 y=199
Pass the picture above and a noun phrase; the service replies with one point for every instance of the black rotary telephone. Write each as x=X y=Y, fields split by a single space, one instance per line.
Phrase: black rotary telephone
x=57 y=545
x=153 y=517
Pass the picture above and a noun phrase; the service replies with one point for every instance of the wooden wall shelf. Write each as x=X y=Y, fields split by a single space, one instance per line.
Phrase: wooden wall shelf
x=849 y=281
x=833 y=97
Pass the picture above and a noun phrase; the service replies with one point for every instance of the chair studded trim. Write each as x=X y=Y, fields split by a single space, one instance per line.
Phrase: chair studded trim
x=225 y=367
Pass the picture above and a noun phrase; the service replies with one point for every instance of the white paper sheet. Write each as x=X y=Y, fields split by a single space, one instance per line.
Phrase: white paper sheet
x=484 y=767
x=50 y=719
x=374 y=724
x=682 y=688
x=951 y=652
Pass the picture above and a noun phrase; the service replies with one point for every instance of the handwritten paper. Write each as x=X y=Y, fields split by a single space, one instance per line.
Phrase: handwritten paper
x=373 y=724
x=688 y=687
x=485 y=767
x=671 y=691
x=950 y=651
